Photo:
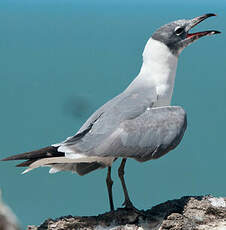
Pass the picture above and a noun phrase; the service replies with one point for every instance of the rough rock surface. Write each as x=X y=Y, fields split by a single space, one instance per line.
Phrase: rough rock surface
x=187 y=213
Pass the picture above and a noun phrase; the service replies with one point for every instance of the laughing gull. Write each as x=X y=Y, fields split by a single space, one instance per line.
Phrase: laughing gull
x=139 y=123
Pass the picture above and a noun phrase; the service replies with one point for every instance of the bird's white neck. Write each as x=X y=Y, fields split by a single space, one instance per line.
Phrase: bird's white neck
x=158 y=70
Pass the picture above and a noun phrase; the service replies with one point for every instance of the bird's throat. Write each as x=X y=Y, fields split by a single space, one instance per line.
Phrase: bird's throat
x=158 y=70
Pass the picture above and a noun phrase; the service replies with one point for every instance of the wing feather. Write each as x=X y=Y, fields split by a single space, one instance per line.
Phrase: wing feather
x=148 y=136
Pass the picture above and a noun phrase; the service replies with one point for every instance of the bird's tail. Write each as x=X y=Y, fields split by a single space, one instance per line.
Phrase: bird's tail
x=50 y=156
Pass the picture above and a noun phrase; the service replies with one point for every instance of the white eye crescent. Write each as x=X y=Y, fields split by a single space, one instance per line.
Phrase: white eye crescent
x=179 y=30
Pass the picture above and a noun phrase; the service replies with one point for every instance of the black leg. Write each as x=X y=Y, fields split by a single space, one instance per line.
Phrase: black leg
x=109 y=182
x=128 y=204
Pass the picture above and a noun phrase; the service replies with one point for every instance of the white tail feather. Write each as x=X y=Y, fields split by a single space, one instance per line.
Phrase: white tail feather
x=54 y=170
x=59 y=160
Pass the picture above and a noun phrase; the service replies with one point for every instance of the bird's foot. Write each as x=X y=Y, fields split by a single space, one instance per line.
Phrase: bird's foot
x=129 y=206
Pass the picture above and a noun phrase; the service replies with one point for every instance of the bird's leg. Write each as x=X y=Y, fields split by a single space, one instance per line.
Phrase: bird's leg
x=109 y=182
x=128 y=204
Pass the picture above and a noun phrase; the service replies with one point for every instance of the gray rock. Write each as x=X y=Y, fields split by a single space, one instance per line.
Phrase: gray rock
x=187 y=213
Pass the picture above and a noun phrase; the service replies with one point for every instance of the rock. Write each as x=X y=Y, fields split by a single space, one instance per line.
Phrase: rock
x=187 y=213
x=8 y=220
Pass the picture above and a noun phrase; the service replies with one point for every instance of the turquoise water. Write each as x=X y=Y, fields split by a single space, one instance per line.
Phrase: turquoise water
x=60 y=60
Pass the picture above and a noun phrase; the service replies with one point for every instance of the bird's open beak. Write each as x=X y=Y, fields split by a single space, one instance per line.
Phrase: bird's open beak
x=190 y=37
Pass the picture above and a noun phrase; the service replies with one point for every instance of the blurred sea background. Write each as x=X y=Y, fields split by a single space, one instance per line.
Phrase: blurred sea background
x=61 y=60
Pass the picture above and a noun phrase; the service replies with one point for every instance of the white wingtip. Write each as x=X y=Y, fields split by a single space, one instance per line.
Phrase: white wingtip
x=54 y=170
x=26 y=171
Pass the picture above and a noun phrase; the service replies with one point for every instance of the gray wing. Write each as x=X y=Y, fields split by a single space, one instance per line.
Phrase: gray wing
x=107 y=119
x=148 y=136
x=128 y=127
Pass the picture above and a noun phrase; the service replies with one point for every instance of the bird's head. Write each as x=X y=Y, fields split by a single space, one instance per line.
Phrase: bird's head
x=176 y=35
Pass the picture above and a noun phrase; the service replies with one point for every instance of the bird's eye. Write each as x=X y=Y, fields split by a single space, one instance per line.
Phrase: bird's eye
x=179 y=30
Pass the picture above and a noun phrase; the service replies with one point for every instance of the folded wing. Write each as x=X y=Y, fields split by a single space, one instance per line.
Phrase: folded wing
x=127 y=126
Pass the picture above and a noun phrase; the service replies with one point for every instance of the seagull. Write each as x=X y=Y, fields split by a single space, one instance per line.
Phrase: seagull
x=139 y=123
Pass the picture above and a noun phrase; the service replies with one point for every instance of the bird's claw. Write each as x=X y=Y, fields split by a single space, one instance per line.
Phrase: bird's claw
x=129 y=206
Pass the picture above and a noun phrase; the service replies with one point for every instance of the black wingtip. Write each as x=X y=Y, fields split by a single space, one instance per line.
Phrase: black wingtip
x=15 y=157
x=49 y=151
x=26 y=163
x=8 y=158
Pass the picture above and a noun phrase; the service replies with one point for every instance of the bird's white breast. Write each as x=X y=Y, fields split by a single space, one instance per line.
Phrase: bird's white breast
x=158 y=70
